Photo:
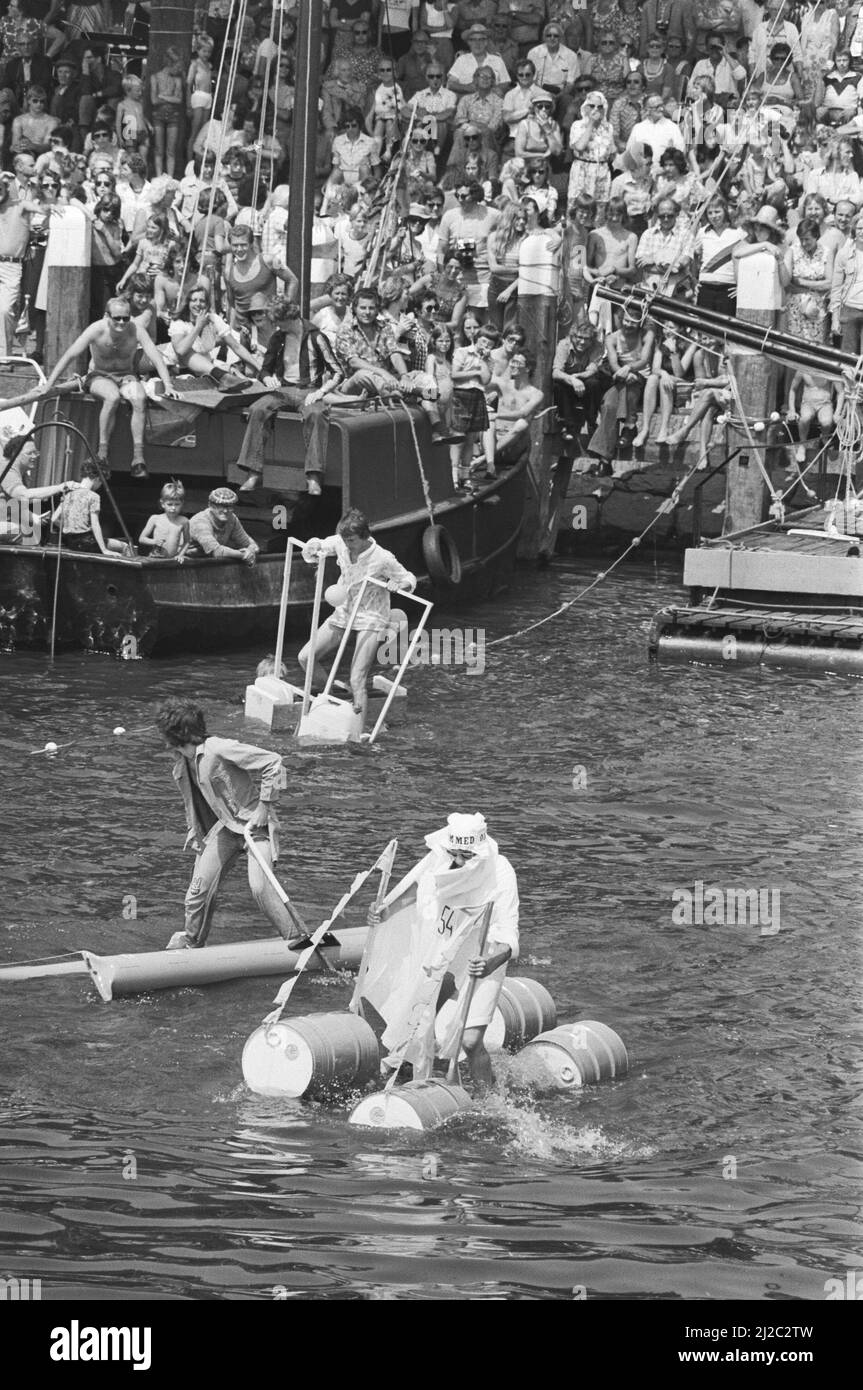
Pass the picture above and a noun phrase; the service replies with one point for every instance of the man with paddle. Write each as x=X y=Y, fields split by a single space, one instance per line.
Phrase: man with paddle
x=452 y=921
x=229 y=790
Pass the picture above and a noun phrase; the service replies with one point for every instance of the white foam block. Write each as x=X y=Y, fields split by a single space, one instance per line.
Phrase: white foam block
x=271 y=702
x=384 y=686
x=331 y=721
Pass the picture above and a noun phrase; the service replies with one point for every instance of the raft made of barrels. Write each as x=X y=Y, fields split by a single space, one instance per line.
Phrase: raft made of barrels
x=311 y=1055
x=524 y=1009
x=415 y=1105
x=139 y=972
x=573 y=1055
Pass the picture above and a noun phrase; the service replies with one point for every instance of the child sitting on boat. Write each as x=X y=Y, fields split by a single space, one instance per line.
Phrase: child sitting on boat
x=359 y=558
x=78 y=518
x=166 y=534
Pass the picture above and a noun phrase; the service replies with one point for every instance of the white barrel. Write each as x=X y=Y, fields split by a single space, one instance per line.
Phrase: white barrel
x=310 y=1055
x=416 y=1105
x=524 y=1009
x=575 y=1054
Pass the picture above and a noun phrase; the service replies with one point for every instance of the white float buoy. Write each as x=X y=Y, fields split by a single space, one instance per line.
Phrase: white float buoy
x=119 y=729
x=311 y=1054
x=416 y=1105
x=573 y=1055
x=51 y=748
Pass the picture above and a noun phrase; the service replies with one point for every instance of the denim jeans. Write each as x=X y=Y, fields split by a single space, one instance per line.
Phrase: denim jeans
x=221 y=848
x=316 y=428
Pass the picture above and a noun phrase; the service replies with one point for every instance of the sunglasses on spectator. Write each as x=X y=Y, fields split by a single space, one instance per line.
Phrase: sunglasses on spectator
x=552 y=33
x=257 y=313
x=49 y=183
x=36 y=101
x=101 y=135
x=469 y=139
x=119 y=318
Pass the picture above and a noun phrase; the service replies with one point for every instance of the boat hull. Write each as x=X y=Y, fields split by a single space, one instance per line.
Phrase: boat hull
x=382 y=463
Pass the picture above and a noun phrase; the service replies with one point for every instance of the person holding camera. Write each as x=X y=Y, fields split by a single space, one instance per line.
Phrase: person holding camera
x=464 y=233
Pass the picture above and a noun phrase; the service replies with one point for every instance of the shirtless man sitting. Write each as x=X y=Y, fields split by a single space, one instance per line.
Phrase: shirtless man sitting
x=113 y=343
x=518 y=402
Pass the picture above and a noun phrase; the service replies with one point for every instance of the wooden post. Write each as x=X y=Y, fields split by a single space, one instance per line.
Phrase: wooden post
x=757 y=380
x=537 y=315
x=67 y=267
x=304 y=145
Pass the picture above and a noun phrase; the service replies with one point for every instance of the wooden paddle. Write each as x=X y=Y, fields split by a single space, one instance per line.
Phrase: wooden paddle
x=271 y=877
x=452 y=1076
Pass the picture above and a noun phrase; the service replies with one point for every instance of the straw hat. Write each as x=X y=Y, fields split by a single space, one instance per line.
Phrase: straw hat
x=258 y=301
x=222 y=497
x=767 y=217
x=417 y=210
x=467 y=833
x=476 y=31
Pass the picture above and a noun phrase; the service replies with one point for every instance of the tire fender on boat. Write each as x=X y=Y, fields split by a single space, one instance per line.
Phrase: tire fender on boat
x=441 y=556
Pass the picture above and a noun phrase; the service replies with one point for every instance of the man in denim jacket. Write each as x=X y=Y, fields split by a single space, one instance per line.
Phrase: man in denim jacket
x=226 y=786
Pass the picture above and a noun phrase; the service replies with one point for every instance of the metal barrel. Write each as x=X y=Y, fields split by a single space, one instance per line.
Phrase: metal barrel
x=524 y=1009
x=311 y=1055
x=416 y=1105
x=573 y=1055
x=527 y=1010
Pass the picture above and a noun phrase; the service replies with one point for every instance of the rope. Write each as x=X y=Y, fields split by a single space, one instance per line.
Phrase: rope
x=229 y=89
x=257 y=178
x=665 y=506
x=423 y=479
x=85 y=742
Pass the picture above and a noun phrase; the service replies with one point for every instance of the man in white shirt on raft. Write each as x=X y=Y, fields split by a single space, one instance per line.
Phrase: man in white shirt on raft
x=359 y=557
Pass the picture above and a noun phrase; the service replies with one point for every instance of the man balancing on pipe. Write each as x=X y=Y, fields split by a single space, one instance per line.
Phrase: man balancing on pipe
x=227 y=787
x=415 y=938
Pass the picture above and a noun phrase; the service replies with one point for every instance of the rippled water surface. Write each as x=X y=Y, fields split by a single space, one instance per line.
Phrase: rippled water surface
x=745 y=1049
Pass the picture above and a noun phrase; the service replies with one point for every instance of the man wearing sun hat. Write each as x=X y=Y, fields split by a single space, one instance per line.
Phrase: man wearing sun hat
x=466 y=861
x=461 y=74
x=428 y=926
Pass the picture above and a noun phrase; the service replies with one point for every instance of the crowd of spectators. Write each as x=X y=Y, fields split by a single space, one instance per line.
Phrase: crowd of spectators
x=477 y=163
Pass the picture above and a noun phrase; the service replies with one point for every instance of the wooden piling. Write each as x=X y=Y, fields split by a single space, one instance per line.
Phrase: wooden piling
x=757 y=380
x=538 y=317
x=67 y=268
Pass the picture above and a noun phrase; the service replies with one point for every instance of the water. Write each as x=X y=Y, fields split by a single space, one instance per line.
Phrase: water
x=134 y=1162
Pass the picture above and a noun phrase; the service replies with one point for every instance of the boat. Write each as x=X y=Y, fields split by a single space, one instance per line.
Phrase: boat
x=783 y=584
x=460 y=546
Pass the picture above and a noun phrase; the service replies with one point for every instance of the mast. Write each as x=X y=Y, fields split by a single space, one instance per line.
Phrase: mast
x=304 y=142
